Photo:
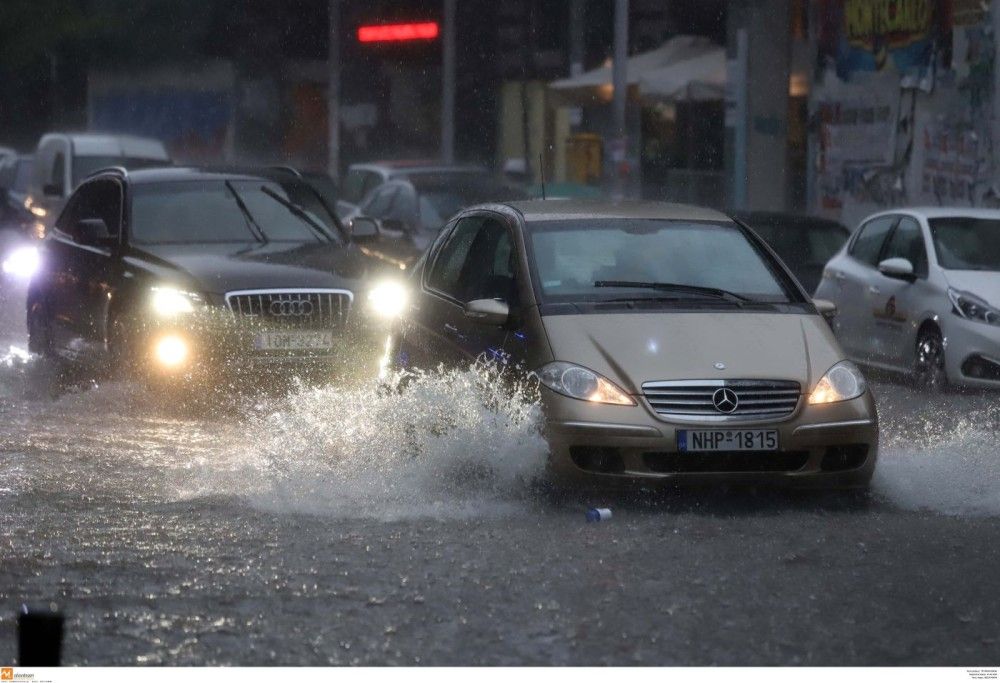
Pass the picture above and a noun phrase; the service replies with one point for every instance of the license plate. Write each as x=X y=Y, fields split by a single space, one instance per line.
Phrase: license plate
x=691 y=440
x=293 y=341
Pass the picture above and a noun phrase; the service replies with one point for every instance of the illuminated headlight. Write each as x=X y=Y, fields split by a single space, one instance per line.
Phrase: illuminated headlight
x=22 y=263
x=167 y=301
x=971 y=307
x=171 y=351
x=388 y=299
x=842 y=382
x=576 y=381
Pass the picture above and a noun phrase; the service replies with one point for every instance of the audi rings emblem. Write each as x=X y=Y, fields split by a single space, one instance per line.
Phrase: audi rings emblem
x=282 y=309
x=725 y=400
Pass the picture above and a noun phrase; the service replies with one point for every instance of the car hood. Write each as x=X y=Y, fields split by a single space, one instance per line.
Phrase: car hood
x=220 y=268
x=983 y=283
x=632 y=348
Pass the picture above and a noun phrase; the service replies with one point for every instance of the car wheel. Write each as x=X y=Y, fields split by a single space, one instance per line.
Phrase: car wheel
x=929 y=371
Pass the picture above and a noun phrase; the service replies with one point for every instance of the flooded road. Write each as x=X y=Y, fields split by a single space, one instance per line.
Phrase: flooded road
x=336 y=526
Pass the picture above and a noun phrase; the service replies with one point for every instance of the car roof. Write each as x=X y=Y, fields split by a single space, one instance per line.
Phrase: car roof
x=576 y=209
x=166 y=174
x=941 y=212
x=100 y=144
x=404 y=167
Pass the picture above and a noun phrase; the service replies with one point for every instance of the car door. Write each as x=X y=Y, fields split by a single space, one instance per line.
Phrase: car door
x=84 y=273
x=895 y=302
x=853 y=275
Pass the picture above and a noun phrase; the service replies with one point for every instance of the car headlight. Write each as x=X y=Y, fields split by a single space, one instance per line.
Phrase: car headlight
x=388 y=299
x=576 y=381
x=22 y=263
x=971 y=307
x=168 y=301
x=842 y=382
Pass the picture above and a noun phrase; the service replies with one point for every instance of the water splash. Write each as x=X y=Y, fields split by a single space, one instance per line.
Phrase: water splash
x=448 y=444
x=940 y=453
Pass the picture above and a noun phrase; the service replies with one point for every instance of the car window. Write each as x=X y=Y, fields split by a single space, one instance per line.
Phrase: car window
x=488 y=271
x=964 y=243
x=58 y=177
x=99 y=199
x=379 y=203
x=907 y=242
x=357 y=184
x=868 y=244
x=571 y=257
x=448 y=264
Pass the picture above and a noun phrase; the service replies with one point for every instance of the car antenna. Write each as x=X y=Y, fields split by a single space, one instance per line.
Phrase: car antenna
x=541 y=171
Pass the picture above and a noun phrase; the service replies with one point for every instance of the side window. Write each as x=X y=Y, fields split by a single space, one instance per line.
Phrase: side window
x=448 y=264
x=488 y=272
x=404 y=205
x=371 y=181
x=907 y=242
x=58 y=178
x=378 y=205
x=74 y=212
x=868 y=243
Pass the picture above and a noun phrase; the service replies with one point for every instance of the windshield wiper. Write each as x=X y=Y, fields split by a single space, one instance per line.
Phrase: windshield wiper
x=298 y=212
x=252 y=226
x=712 y=292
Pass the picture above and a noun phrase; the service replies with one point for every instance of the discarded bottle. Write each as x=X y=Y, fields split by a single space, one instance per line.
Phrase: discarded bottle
x=598 y=514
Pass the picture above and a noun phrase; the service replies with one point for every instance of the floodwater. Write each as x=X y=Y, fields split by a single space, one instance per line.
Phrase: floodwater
x=337 y=525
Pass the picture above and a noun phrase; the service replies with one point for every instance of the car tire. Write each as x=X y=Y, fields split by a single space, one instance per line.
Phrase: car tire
x=929 y=371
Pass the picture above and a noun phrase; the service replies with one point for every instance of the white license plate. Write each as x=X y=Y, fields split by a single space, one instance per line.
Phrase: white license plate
x=692 y=440
x=293 y=341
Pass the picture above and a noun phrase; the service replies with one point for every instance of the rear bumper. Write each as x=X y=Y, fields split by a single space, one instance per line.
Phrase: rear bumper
x=833 y=446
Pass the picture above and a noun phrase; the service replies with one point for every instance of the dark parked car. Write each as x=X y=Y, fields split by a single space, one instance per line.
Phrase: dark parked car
x=410 y=212
x=181 y=270
x=804 y=243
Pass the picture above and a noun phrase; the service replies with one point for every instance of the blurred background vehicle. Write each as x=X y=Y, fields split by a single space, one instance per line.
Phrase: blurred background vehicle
x=63 y=160
x=918 y=292
x=15 y=175
x=804 y=243
x=362 y=178
x=412 y=208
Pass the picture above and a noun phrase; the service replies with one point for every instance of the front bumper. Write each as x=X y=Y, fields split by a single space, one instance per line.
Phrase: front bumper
x=833 y=445
x=217 y=345
x=972 y=353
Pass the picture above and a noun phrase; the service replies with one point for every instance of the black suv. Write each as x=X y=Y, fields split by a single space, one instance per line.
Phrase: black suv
x=181 y=270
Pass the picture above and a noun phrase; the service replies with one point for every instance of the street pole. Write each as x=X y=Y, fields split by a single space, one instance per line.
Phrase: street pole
x=333 y=93
x=576 y=38
x=619 y=149
x=448 y=84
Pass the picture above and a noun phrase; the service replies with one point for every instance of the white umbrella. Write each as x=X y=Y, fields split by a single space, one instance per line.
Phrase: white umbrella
x=699 y=78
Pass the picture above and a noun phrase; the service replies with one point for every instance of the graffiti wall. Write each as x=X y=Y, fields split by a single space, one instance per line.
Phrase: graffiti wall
x=902 y=110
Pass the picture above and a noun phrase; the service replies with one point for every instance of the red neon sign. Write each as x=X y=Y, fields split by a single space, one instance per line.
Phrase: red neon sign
x=398 y=33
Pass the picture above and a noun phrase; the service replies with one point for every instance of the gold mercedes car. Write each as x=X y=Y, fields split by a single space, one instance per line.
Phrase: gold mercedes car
x=670 y=343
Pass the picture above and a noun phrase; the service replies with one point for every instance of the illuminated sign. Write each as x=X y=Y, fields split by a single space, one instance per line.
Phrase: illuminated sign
x=398 y=33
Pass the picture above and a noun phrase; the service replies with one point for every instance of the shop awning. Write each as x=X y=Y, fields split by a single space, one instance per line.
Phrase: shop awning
x=699 y=78
x=597 y=82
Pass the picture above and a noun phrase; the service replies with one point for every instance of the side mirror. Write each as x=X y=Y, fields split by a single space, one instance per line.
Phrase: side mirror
x=825 y=308
x=364 y=229
x=53 y=190
x=487 y=311
x=93 y=231
x=899 y=268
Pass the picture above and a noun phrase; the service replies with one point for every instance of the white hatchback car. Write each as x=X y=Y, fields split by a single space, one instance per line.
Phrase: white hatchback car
x=918 y=291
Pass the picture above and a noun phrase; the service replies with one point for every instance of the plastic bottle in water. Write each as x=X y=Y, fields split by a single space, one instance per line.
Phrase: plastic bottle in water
x=598 y=514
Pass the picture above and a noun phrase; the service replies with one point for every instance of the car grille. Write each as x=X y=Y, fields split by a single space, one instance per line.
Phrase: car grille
x=319 y=309
x=695 y=399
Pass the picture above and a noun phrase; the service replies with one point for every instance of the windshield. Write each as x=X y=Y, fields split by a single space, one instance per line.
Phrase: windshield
x=967 y=243
x=83 y=166
x=575 y=260
x=209 y=211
